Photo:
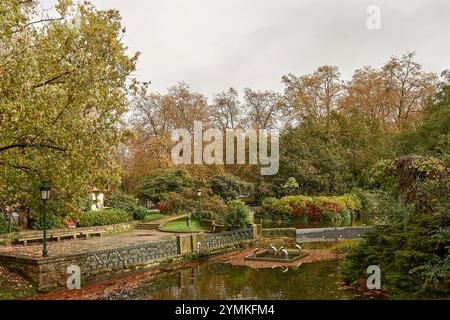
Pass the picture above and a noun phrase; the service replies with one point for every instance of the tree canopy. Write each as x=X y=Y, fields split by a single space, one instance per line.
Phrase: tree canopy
x=63 y=92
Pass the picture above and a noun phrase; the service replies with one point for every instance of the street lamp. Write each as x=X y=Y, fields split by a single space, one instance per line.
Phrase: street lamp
x=199 y=205
x=45 y=195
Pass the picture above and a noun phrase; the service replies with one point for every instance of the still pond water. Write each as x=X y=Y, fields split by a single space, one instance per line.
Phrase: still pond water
x=212 y=280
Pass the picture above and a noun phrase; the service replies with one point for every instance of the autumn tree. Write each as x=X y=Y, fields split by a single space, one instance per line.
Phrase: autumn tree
x=331 y=156
x=263 y=109
x=432 y=135
x=155 y=116
x=62 y=95
x=226 y=110
x=314 y=95
x=395 y=95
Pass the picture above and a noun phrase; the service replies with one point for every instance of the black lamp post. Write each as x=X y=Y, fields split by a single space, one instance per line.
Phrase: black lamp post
x=45 y=195
x=199 y=205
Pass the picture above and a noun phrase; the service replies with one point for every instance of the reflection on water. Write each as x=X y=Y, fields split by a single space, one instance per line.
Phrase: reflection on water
x=222 y=281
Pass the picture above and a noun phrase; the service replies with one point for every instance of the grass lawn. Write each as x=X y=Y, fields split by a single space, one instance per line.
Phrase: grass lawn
x=179 y=225
x=152 y=216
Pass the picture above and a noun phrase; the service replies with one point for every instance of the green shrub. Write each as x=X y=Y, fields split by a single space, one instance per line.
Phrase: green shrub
x=262 y=191
x=127 y=203
x=103 y=217
x=409 y=252
x=290 y=187
x=3 y=225
x=352 y=202
x=330 y=217
x=122 y=201
x=422 y=181
x=53 y=221
x=229 y=187
x=369 y=200
x=237 y=215
x=412 y=249
x=86 y=203
x=214 y=209
x=159 y=184
x=139 y=213
x=177 y=203
x=346 y=215
x=326 y=208
x=276 y=207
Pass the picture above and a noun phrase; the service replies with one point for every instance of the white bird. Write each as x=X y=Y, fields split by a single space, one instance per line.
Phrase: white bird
x=272 y=247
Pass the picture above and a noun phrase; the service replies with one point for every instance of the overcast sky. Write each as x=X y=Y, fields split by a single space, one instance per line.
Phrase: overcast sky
x=215 y=44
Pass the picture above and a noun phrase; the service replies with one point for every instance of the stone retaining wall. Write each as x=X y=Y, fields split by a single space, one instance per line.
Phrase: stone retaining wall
x=51 y=272
x=98 y=261
x=214 y=241
x=331 y=234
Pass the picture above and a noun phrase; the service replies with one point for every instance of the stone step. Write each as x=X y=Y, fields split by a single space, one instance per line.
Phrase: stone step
x=147 y=226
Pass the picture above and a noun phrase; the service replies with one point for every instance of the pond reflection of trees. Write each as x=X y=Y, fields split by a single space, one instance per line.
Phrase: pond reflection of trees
x=219 y=281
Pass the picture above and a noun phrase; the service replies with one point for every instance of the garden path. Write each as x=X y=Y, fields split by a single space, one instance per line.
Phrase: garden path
x=67 y=247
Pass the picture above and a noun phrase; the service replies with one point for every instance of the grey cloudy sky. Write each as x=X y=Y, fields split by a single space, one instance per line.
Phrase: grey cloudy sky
x=215 y=44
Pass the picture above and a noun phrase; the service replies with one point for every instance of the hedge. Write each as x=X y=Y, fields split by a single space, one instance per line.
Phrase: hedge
x=326 y=208
x=237 y=215
x=103 y=217
x=127 y=203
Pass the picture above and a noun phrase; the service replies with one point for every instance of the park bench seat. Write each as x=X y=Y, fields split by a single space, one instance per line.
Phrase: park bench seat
x=30 y=238
x=89 y=233
x=65 y=235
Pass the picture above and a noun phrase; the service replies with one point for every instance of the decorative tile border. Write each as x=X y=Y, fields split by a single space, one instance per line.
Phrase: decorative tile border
x=228 y=238
x=122 y=257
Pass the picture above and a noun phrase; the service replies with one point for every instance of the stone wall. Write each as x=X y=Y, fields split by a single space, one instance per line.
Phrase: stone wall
x=331 y=234
x=51 y=272
x=112 y=259
x=214 y=241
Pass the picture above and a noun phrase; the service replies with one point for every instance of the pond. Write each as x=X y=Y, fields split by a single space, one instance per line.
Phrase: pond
x=214 y=280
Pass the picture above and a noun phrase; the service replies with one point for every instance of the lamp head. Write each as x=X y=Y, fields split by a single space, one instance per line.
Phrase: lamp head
x=45 y=190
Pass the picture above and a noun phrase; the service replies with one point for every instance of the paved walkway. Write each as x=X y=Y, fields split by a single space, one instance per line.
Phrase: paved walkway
x=65 y=247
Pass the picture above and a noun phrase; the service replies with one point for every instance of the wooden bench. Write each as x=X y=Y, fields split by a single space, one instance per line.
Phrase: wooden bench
x=89 y=233
x=59 y=234
x=25 y=239
x=65 y=235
